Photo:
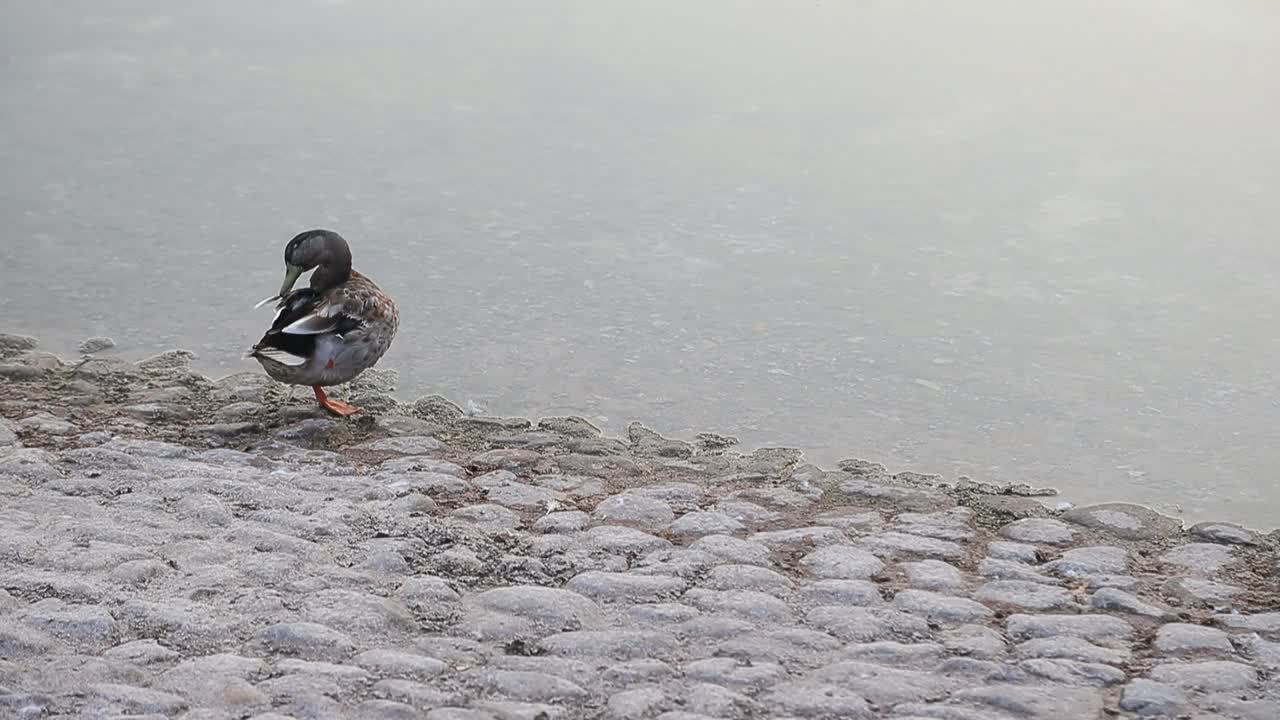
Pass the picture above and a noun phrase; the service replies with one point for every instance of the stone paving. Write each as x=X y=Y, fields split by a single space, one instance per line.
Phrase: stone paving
x=174 y=547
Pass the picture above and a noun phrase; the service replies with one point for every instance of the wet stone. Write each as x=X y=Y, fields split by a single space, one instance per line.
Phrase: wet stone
x=708 y=700
x=385 y=710
x=1198 y=558
x=893 y=544
x=307 y=640
x=703 y=523
x=937 y=606
x=933 y=575
x=712 y=627
x=1121 y=601
x=1268 y=622
x=734 y=550
x=1013 y=552
x=854 y=519
x=975 y=641
x=748 y=577
x=1083 y=562
x=842 y=562
x=1036 y=702
x=748 y=513
x=43 y=422
x=1100 y=629
x=488 y=515
x=615 y=644
x=1011 y=570
x=1040 y=531
x=74 y=623
x=634 y=672
x=141 y=652
x=896 y=654
x=1072 y=648
x=624 y=540
x=1224 y=533
x=625 y=587
x=883 y=685
x=519 y=496
x=841 y=592
x=634 y=510
x=564 y=522
x=858 y=624
x=528 y=686
x=819 y=700
x=418 y=445
x=1209 y=592
x=1072 y=672
x=1211 y=676
x=746 y=604
x=1264 y=652
x=1184 y=638
x=1023 y=594
x=662 y=613
x=800 y=539
x=542 y=605
x=734 y=674
x=399 y=664
x=1147 y=698
x=133 y=700
x=635 y=704
x=1124 y=520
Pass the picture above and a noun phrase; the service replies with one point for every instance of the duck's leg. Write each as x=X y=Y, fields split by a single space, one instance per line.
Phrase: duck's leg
x=337 y=407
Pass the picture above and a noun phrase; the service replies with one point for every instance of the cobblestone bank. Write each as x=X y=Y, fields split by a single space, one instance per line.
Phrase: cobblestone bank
x=177 y=547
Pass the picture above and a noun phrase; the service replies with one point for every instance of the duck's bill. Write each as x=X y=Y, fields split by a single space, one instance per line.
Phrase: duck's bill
x=268 y=301
x=291 y=275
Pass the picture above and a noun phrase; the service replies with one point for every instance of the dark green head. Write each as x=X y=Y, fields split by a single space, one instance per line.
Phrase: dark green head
x=322 y=250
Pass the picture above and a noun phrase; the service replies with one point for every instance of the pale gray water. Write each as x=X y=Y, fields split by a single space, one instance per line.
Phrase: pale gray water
x=1024 y=241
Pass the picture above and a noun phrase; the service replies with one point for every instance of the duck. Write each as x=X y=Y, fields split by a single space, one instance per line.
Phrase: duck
x=330 y=332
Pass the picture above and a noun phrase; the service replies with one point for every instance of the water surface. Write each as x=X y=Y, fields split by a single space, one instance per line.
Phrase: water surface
x=1025 y=242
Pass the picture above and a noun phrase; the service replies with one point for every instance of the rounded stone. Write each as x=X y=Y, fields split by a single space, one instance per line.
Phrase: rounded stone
x=543 y=605
x=842 y=562
x=634 y=510
x=705 y=522
x=1040 y=531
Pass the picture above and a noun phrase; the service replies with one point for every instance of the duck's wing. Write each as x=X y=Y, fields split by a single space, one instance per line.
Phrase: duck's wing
x=338 y=311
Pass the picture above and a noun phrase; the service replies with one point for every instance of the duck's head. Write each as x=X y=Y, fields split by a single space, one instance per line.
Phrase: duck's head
x=322 y=250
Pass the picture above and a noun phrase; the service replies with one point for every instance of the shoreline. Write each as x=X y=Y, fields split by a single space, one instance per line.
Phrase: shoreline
x=191 y=547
